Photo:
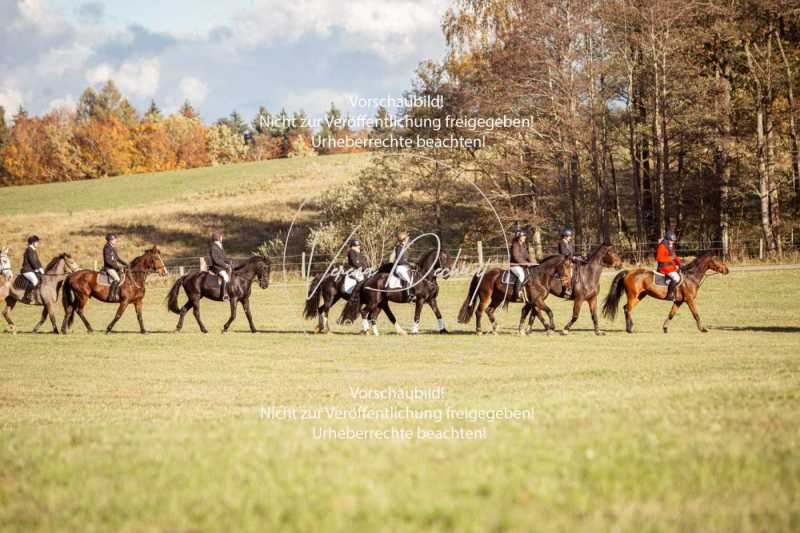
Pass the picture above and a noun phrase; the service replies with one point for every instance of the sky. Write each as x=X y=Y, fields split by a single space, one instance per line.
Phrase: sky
x=220 y=55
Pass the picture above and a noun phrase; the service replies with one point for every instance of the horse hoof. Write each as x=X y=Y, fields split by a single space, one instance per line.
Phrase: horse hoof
x=224 y=331
x=564 y=332
x=602 y=333
x=443 y=332
x=704 y=330
x=522 y=333
x=549 y=332
x=665 y=330
x=176 y=331
x=494 y=332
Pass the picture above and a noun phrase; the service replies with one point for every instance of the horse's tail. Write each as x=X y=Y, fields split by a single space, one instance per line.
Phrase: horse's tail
x=611 y=302
x=172 y=297
x=68 y=301
x=312 y=300
x=350 y=311
x=468 y=307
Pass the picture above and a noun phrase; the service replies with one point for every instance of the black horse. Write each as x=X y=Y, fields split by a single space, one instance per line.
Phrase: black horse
x=373 y=295
x=327 y=286
x=206 y=285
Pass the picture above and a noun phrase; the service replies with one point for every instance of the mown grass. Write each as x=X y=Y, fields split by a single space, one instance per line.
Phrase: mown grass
x=685 y=431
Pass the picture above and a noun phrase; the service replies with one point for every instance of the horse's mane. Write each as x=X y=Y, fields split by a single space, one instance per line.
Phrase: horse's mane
x=597 y=250
x=551 y=258
x=250 y=260
x=54 y=261
x=697 y=261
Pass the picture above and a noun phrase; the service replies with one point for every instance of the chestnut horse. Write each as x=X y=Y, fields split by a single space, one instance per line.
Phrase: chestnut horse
x=80 y=286
x=487 y=291
x=640 y=283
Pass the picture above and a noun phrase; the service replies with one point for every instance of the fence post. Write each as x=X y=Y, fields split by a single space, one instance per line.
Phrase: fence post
x=480 y=255
x=203 y=265
x=181 y=271
x=761 y=249
x=303 y=265
x=95 y=265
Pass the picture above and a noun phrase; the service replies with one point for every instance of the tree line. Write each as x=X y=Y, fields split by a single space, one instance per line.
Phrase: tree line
x=106 y=136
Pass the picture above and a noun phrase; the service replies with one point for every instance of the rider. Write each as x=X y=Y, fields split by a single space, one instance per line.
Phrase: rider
x=357 y=262
x=402 y=267
x=520 y=258
x=112 y=264
x=31 y=266
x=219 y=264
x=565 y=247
x=668 y=262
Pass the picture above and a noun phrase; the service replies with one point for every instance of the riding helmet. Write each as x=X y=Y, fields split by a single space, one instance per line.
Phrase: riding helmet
x=566 y=232
x=402 y=235
x=33 y=238
x=355 y=242
x=670 y=236
x=110 y=237
x=520 y=233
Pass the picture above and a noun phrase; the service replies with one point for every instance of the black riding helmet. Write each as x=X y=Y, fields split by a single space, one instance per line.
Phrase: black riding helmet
x=520 y=233
x=33 y=239
x=566 y=232
x=355 y=242
x=670 y=236
x=110 y=237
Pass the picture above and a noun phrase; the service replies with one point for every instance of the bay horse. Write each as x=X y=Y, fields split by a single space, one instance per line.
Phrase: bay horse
x=487 y=292
x=329 y=287
x=373 y=295
x=200 y=285
x=81 y=286
x=585 y=286
x=640 y=283
x=45 y=295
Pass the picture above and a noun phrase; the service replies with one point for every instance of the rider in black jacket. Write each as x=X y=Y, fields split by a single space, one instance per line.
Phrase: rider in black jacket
x=112 y=264
x=219 y=263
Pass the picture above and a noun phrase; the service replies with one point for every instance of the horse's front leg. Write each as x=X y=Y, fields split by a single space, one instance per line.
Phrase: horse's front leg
x=248 y=314
x=551 y=327
x=576 y=312
x=120 y=311
x=673 y=310
x=51 y=312
x=695 y=314
x=41 y=320
x=595 y=321
x=439 y=319
x=138 y=306
x=417 y=314
x=525 y=310
x=10 y=303
x=364 y=321
x=234 y=303
x=372 y=314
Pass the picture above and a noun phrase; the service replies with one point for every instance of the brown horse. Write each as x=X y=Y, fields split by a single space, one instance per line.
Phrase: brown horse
x=488 y=288
x=640 y=283
x=585 y=286
x=80 y=286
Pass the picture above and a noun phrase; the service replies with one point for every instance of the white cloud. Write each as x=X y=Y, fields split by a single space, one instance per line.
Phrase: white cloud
x=134 y=78
x=10 y=99
x=193 y=90
x=57 y=61
x=387 y=28
x=317 y=101
x=68 y=103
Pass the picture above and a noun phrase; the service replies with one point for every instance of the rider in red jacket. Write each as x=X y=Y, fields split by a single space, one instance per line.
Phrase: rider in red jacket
x=668 y=262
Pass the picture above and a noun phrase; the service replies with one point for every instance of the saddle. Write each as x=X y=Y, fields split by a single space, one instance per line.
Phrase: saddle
x=509 y=278
x=661 y=279
x=21 y=283
x=103 y=278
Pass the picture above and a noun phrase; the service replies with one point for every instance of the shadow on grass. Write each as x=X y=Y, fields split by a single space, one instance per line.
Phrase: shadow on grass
x=761 y=329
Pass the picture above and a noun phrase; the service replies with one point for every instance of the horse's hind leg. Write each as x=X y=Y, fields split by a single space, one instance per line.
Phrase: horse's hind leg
x=629 y=305
x=10 y=303
x=490 y=314
x=184 y=310
x=79 y=309
x=373 y=318
x=196 y=313
x=364 y=322
x=672 y=312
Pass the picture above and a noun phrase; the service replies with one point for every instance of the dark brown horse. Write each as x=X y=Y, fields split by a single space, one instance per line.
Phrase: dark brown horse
x=585 y=286
x=487 y=291
x=200 y=285
x=373 y=295
x=328 y=288
x=81 y=286
x=640 y=283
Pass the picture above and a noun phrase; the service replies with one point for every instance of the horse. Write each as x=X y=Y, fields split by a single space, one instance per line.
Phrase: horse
x=585 y=286
x=81 y=286
x=373 y=295
x=640 y=283
x=6 y=274
x=46 y=294
x=200 y=285
x=490 y=291
x=327 y=286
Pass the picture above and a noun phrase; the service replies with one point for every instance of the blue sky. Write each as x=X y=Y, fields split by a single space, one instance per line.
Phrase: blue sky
x=236 y=54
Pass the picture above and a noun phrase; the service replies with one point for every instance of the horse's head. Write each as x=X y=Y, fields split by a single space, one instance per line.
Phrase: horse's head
x=152 y=262
x=69 y=263
x=445 y=264
x=717 y=265
x=5 y=263
x=263 y=269
x=609 y=257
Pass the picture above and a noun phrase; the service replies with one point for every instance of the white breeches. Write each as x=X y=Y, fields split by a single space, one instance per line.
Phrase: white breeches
x=402 y=272
x=519 y=272
x=31 y=276
x=113 y=274
x=224 y=275
x=674 y=276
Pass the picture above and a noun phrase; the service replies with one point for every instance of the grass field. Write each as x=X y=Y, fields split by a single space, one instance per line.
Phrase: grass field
x=689 y=432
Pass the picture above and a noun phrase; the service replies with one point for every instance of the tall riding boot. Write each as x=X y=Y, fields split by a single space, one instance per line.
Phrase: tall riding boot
x=518 y=289
x=671 y=290
x=223 y=288
x=113 y=291
x=28 y=296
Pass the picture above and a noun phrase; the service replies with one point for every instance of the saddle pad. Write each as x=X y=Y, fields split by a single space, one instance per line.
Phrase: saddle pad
x=349 y=284
x=21 y=283
x=661 y=279
x=394 y=282
x=508 y=278
x=104 y=279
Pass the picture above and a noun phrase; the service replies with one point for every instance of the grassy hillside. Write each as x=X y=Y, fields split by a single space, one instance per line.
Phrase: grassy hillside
x=685 y=432
x=175 y=210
